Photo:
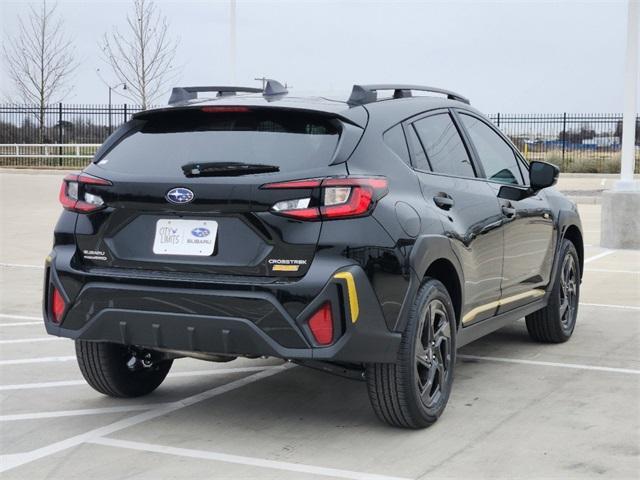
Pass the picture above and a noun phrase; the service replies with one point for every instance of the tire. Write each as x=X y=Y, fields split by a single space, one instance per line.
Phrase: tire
x=413 y=392
x=113 y=370
x=555 y=322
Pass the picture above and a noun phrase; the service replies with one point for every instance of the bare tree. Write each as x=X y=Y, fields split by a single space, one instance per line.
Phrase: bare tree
x=142 y=56
x=40 y=60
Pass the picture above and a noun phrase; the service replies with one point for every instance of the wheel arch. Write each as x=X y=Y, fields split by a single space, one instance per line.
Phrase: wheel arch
x=574 y=235
x=432 y=256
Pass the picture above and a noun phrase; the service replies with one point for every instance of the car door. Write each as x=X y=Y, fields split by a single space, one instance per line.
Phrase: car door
x=529 y=238
x=467 y=205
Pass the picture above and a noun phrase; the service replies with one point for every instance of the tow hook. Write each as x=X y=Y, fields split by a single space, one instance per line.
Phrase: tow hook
x=139 y=362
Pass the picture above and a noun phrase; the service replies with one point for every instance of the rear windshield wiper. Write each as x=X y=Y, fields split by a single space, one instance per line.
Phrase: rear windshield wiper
x=226 y=169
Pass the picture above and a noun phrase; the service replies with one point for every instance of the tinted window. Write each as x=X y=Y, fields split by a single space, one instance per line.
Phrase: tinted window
x=443 y=146
x=497 y=157
x=395 y=140
x=162 y=143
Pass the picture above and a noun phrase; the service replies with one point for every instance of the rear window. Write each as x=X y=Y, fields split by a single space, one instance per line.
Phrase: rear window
x=161 y=144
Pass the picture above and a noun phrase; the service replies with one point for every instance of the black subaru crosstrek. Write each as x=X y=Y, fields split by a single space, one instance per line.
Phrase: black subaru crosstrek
x=370 y=238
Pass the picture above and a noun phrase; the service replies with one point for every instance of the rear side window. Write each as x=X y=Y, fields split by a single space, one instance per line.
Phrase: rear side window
x=498 y=159
x=162 y=143
x=443 y=146
x=394 y=138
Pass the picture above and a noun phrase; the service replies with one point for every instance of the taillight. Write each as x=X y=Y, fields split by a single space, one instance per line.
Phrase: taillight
x=321 y=324
x=57 y=305
x=344 y=197
x=73 y=196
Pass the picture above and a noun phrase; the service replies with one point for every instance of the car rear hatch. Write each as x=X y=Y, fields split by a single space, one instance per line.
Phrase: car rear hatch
x=184 y=192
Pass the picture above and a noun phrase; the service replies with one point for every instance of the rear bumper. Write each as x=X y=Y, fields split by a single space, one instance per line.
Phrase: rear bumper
x=241 y=318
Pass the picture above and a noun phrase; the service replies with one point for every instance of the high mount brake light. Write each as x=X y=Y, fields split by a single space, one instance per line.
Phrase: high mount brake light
x=73 y=196
x=345 y=197
x=225 y=109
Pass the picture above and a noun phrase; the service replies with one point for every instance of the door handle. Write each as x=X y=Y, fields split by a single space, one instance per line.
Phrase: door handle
x=508 y=211
x=443 y=201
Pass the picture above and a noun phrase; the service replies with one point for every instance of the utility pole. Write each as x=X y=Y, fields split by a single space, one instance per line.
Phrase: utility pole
x=232 y=40
x=620 y=222
x=626 y=181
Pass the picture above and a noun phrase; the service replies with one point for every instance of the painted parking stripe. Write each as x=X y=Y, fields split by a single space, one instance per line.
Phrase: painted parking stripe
x=551 y=364
x=598 y=256
x=10 y=461
x=604 y=305
x=192 y=373
x=20 y=265
x=20 y=317
x=32 y=340
x=242 y=460
x=81 y=412
x=20 y=324
x=23 y=361
x=609 y=270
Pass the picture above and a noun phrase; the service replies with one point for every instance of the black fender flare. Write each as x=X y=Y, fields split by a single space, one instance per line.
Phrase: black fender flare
x=427 y=250
x=566 y=219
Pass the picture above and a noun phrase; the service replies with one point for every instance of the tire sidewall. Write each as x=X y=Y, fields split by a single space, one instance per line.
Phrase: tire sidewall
x=430 y=290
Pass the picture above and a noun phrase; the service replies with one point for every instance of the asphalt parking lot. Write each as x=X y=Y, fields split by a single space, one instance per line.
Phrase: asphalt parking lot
x=518 y=409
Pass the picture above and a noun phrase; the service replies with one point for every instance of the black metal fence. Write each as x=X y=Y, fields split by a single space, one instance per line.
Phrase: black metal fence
x=576 y=142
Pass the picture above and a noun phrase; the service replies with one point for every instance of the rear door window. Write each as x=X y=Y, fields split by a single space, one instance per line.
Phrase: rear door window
x=162 y=143
x=445 y=152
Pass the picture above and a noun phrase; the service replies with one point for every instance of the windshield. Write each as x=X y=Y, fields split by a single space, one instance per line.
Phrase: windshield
x=162 y=144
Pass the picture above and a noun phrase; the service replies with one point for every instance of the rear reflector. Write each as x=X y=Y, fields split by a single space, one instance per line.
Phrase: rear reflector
x=57 y=306
x=321 y=324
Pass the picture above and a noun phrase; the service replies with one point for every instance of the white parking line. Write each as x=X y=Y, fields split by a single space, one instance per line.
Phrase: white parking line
x=600 y=255
x=20 y=324
x=80 y=412
x=551 y=364
x=8 y=462
x=608 y=270
x=193 y=373
x=242 y=460
x=604 y=305
x=20 y=265
x=19 y=317
x=23 y=361
x=32 y=340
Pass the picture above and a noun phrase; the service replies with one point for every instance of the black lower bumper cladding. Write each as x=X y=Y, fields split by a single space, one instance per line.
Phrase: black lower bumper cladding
x=239 y=321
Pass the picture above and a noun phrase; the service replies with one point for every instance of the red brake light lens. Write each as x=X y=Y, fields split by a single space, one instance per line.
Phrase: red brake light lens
x=345 y=197
x=74 y=198
x=321 y=324
x=225 y=109
x=57 y=305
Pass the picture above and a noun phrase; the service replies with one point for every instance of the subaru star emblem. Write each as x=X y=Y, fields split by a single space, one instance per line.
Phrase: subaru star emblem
x=179 y=195
x=200 y=232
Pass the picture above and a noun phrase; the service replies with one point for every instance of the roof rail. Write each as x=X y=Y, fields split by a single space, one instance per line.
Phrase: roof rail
x=184 y=94
x=362 y=94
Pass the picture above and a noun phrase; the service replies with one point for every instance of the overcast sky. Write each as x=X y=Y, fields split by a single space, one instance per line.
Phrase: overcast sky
x=508 y=56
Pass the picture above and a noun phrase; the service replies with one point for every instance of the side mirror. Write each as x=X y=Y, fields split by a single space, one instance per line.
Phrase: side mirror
x=542 y=175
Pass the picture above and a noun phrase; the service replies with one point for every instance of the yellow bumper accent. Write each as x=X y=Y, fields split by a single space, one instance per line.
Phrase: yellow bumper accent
x=353 y=294
x=473 y=313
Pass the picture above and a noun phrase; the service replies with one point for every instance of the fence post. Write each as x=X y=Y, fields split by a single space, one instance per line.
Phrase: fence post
x=498 y=119
x=125 y=113
x=564 y=136
x=60 y=132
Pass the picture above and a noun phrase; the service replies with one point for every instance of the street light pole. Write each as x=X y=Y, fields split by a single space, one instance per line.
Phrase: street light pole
x=627 y=162
x=620 y=222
